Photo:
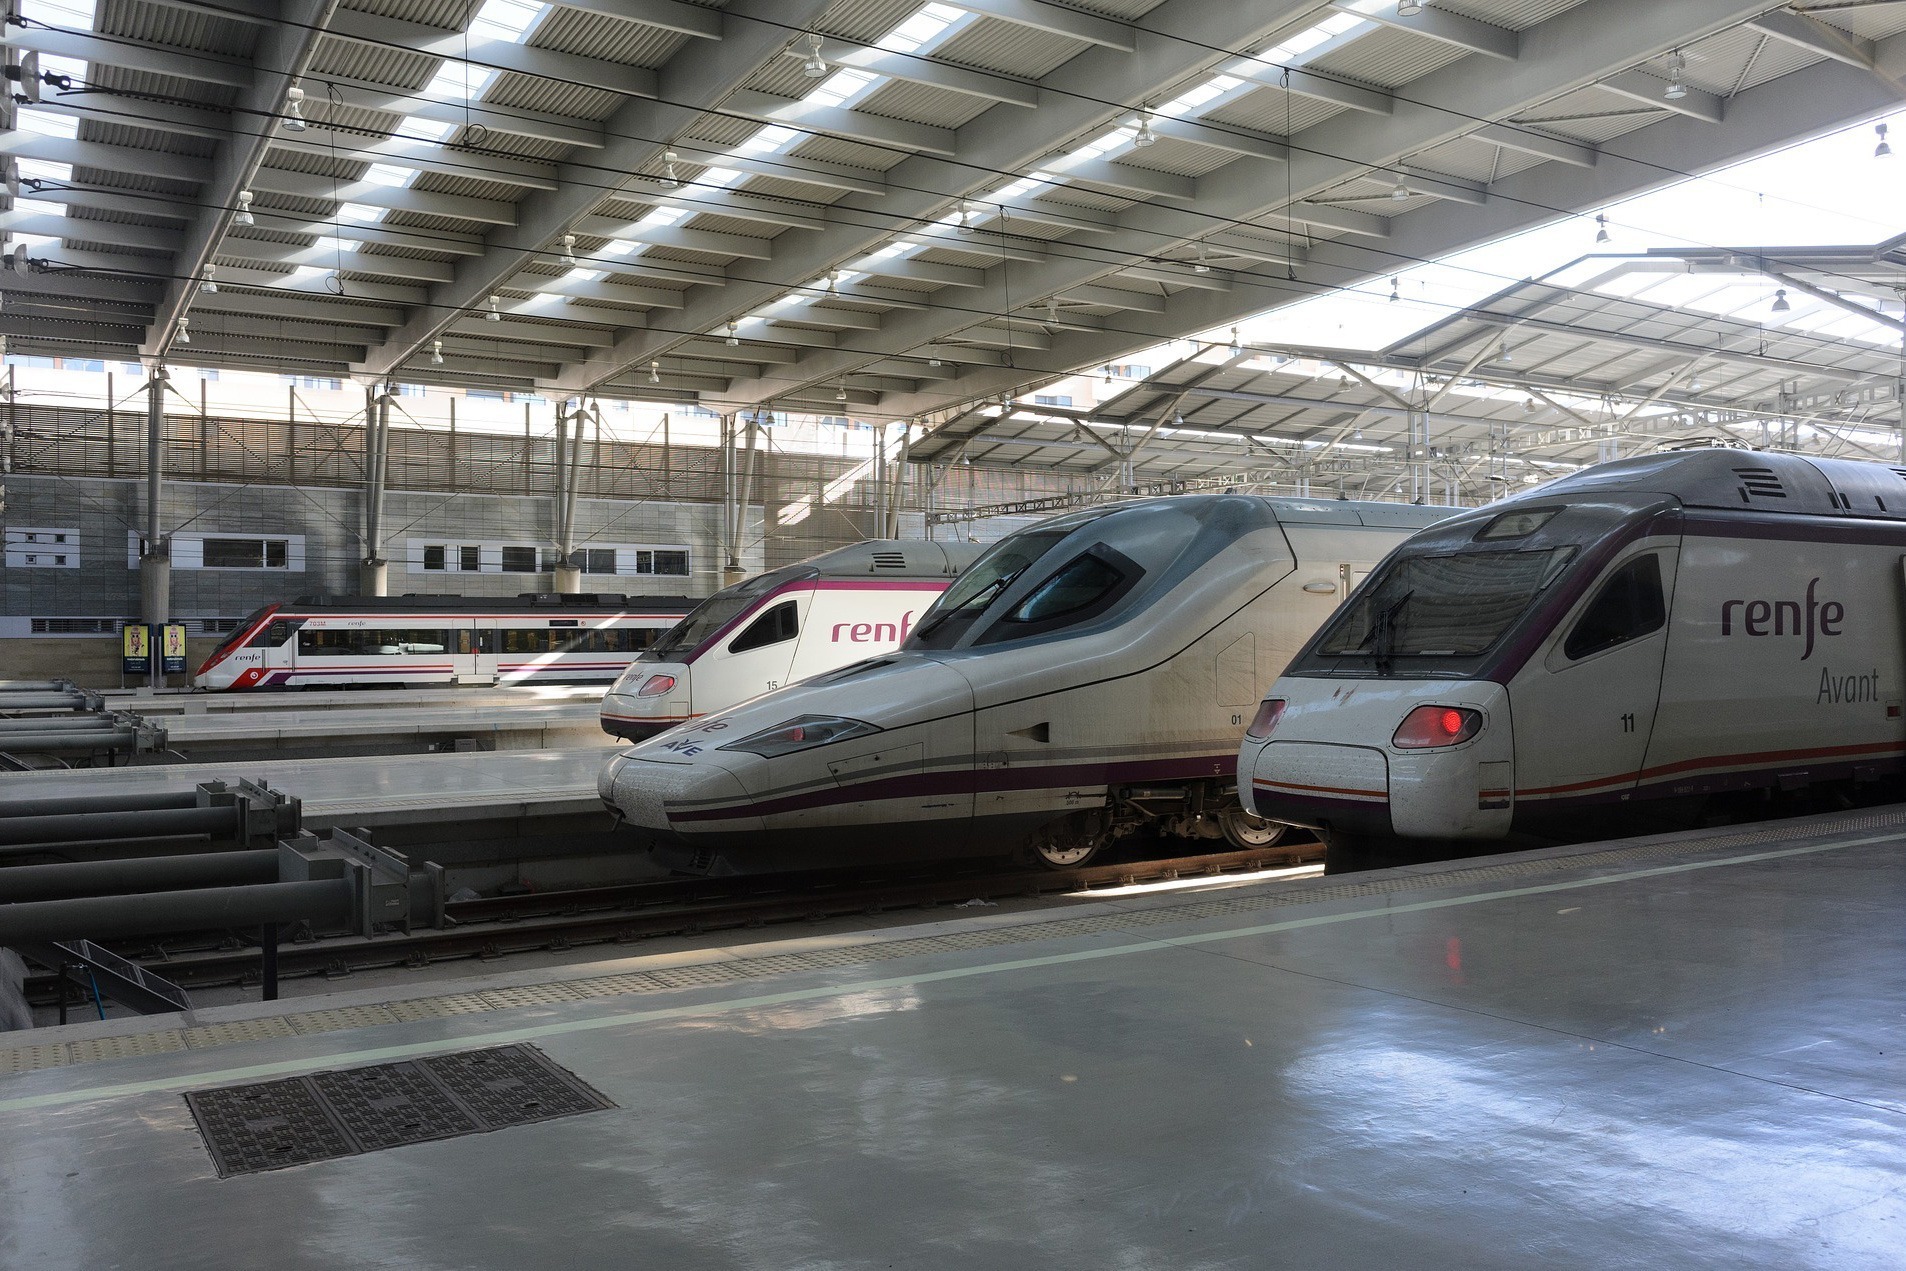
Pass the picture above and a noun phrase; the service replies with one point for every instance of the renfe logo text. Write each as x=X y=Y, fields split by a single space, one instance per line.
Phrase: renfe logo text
x=1785 y=618
x=874 y=632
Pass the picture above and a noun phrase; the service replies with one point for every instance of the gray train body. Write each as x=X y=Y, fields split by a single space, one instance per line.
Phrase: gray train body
x=1086 y=676
x=1617 y=652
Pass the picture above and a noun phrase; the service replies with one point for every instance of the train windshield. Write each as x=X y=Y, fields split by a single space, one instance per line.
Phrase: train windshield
x=982 y=583
x=716 y=612
x=1454 y=606
x=239 y=632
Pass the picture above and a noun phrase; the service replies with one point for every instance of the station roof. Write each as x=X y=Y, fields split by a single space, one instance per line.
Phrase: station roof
x=882 y=208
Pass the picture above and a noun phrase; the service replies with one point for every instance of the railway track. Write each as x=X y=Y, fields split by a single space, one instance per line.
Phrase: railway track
x=495 y=927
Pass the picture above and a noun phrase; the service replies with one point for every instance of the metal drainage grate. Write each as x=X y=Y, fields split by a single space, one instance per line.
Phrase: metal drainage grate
x=275 y=1124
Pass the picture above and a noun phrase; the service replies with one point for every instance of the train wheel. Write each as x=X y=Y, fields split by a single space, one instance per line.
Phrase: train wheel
x=1247 y=832
x=1070 y=842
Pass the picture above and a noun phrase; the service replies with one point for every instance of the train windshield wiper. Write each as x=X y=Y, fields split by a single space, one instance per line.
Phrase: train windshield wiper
x=981 y=599
x=1383 y=633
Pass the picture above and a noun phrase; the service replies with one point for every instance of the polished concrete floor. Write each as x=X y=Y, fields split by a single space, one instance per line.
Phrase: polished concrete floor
x=1685 y=1053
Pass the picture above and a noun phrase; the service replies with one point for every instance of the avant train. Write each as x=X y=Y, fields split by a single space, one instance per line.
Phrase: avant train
x=1617 y=652
x=779 y=627
x=1086 y=677
x=336 y=641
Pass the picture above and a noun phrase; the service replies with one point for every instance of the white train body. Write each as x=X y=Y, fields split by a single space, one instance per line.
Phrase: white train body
x=780 y=627
x=1084 y=671
x=1610 y=653
x=337 y=641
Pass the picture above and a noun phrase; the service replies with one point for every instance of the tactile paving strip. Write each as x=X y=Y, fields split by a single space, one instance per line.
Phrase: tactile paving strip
x=346 y=1112
x=733 y=970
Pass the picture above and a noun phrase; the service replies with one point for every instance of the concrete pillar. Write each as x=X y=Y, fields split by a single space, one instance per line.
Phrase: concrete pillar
x=373 y=572
x=373 y=578
x=568 y=580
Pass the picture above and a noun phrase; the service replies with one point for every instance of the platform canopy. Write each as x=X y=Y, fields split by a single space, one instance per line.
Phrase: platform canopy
x=1793 y=348
x=881 y=208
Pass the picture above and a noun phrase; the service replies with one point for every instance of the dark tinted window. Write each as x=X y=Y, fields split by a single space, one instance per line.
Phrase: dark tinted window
x=519 y=560
x=433 y=557
x=1628 y=606
x=599 y=560
x=779 y=623
x=470 y=559
x=351 y=644
x=1073 y=588
x=276 y=634
x=1441 y=606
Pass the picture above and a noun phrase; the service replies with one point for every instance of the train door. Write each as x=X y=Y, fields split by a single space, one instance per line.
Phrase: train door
x=758 y=658
x=1598 y=688
x=467 y=656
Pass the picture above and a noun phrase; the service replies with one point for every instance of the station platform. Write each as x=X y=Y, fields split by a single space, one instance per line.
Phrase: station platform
x=377 y=790
x=397 y=728
x=1678 y=1051
x=186 y=703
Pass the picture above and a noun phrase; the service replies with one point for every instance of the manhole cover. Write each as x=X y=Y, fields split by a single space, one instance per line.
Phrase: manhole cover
x=274 y=1124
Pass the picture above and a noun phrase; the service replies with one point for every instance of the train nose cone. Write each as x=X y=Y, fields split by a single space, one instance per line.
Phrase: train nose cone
x=677 y=799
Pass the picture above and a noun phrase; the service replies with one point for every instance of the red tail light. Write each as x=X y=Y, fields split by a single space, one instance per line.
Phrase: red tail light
x=1269 y=711
x=655 y=686
x=1430 y=726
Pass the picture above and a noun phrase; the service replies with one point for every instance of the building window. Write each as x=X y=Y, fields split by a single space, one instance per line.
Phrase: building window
x=599 y=560
x=470 y=558
x=1052 y=399
x=1128 y=370
x=243 y=553
x=519 y=560
x=33 y=548
x=433 y=556
x=671 y=563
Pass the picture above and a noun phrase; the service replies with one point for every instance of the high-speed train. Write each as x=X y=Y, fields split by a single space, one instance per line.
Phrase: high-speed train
x=335 y=641
x=1618 y=651
x=782 y=626
x=1085 y=677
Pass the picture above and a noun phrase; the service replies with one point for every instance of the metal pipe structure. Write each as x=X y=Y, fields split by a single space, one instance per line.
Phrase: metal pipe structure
x=121 y=738
x=56 y=805
x=112 y=825
x=23 y=883
x=71 y=849
x=568 y=477
x=327 y=902
x=373 y=571
x=155 y=562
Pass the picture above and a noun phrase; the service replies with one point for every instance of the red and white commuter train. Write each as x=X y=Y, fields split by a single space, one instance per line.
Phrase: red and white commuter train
x=337 y=641
x=1615 y=652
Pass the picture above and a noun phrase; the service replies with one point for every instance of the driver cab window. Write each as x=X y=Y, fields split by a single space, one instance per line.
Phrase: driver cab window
x=1628 y=606
x=779 y=623
x=1073 y=588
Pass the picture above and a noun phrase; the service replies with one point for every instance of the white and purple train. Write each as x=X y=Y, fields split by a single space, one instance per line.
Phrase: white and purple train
x=1620 y=651
x=1086 y=677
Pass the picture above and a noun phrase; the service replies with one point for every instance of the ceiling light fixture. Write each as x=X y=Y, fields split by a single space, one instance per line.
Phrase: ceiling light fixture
x=1601 y=229
x=840 y=394
x=1200 y=266
x=1675 y=90
x=933 y=356
x=816 y=66
x=655 y=372
x=1408 y=8
x=1178 y=419
x=493 y=315
x=244 y=216
x=208 y=285
x=833 y=282
x=569 y=249
x=1399 y=191
x=294 y=110
x=671 y=179
x=966 y=218
x=734 y=333
x=185 y=330
x=1236 y=347
x=1882 y=150
x=436 y=352
x=1780 y=301
x=1502 y=353
x=1145 y=136
x=1394 y=296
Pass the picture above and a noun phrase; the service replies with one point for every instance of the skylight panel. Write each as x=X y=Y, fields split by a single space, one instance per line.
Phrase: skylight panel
x=928 y=25
x=509 y=20
x=41 y=206
x=72 y=14
x=389 y=174
x=47 y=124
x=415 y=127
x=843 y=86
x=360 y=212
x=458 y=81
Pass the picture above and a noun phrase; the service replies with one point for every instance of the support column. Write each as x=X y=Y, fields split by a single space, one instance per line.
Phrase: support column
x=155 y=563
x=568 y=461
x=731 y=571
x=373 y=571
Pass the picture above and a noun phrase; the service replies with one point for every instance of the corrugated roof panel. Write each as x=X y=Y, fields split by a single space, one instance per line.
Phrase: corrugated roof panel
x=1081 y=196
x=343 y=167
x=1475 y=160
x=120 y=134
x=1180 y=158
x=1516 y=15
x=194 y=29
x=1268 y=110
x=992 y=45
x=517 y=146
x=469 y=187
x=1875 y=23
x=851 y=153
x=442 y=224
x=735 y=225
x=924 y=104
x=1776 y=58
x=451 y=15
x=374 y=64
x=606 y=38
x=721 y=130
x=555 y=97
x=406 y=253
x=782 y=77
x=775 y=188
x=865 y=20
x=1389 y=58
x=168 y=87
x=1593 y=115
x=678 y=256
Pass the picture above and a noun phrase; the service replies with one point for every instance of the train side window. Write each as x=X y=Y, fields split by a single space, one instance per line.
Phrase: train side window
x=1078 y=591
x=782 y=622
x=276 y=634
x=1628 y=606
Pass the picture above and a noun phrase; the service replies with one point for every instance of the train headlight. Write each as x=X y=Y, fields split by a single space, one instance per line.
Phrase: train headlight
x=655 y=686
x=801 y=734
x=1429 y=726
x=1269 y=711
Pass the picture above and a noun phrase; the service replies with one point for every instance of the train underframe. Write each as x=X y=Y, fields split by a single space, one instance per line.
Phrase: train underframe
x=1198 y=811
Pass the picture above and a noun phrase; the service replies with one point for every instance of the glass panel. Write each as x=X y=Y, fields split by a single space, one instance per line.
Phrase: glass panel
x=434 y=557
x=1442 y=606
x=469 y=559
x=779 y=623
x=276 y=556
x=1628 y=607
x=519 y=560
x=1073 y=588
x=233 y=553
